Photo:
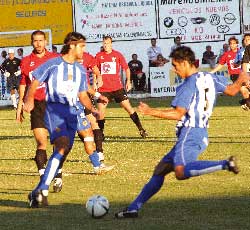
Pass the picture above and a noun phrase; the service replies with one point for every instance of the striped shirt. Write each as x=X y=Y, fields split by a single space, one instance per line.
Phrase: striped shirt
x=63 y=80
x=197 y=94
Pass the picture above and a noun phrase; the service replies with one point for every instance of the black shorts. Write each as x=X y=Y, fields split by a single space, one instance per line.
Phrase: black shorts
x=234 y=77
x=37 y=115
x=13 y=82
x=118 y=95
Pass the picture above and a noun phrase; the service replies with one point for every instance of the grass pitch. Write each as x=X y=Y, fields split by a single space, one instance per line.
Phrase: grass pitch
x=215 y=201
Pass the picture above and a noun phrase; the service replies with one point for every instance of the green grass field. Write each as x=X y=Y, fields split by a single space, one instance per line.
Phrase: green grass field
x=216 y=201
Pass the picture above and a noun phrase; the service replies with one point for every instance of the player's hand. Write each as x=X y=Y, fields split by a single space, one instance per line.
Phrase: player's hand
x=143 y=108
x=28 y=105
x=104 y=100
x=128 y=86
x=17 y=73
x=95 y=112
x=99 y=81
x=6 y=74
x=19 y=114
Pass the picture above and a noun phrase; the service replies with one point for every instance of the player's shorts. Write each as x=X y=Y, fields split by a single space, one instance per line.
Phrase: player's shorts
x=13 y=82
x=234 y=77
x=37 y=115
x=60 y=120
x=118 y=95
x=82 y=121
x=190 y=144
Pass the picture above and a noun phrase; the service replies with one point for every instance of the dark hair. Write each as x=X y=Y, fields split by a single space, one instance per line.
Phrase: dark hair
x=233 y=39
x=71 y=38
x=20 y=49
x=37 y=32
x=246 y=35
x=4 y=53
x=153 y=39
x=177 y=37
x=107 y=37
x=183 y=53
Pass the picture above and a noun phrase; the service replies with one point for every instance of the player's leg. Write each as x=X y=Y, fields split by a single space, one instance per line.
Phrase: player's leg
x=62 y=131
x=191 y=143
x=122 y=98
x=98 y=136
x=86 y=135
x=102 y=109
x=155 y=183
x=40 y=134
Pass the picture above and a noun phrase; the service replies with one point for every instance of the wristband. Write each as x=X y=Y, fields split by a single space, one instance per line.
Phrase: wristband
x=97 y=95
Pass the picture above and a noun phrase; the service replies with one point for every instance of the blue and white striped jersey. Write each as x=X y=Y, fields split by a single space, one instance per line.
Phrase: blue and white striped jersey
x=63 y=80
x=197 y=94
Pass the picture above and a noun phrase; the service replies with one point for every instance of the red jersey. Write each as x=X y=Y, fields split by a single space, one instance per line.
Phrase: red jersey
x=228 y=57
x=110 y=66
x=89 y=62
x=30 y=63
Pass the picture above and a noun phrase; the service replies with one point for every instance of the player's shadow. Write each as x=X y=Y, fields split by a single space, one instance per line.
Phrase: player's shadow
x=228 y=212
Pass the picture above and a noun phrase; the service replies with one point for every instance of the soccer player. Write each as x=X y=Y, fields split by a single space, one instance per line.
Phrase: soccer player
x=65 y=81
x=234 y=71
x=10 y=68
x=38 y=56
x=192 y=107
x=110 y=62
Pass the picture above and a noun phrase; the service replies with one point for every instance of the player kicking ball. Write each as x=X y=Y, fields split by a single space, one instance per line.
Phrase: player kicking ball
x=192 y=108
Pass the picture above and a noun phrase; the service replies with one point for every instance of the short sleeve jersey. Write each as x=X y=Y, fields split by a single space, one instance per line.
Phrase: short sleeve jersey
x=63 y=80
x=89 y=62
x=110 y=66
x=197 y=94
x=228 y=58
x=246 y=57
x=28 y=65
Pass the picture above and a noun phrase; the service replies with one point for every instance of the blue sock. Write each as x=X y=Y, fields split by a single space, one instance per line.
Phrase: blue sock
x=198 y=168
x=152 y=187
x=94 y=158
x=50 y=171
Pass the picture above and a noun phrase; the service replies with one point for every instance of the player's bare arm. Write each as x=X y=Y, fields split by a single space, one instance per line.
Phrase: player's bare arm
x=170 y=114
x=217 y=68
x=234 y=88
x=19 y=111
x=29 y=103
x=128 y=82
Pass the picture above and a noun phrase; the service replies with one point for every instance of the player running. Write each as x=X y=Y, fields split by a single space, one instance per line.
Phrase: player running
x=192 y=108
x=110 y=63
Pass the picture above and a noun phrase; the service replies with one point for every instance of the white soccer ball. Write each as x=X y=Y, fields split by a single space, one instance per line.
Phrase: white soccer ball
x=97 y=206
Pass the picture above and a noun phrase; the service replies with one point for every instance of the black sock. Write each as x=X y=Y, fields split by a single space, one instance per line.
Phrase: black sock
x=41 y=159
x=101 y=124
x=136 y=120
x=98 y=137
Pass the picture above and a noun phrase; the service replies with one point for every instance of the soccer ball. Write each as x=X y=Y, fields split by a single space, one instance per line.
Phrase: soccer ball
x=97 y=206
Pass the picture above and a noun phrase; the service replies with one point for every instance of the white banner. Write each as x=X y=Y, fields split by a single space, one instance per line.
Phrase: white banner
x=246 y=16
x=160 y=82
x=196 y=20
x=122 y=20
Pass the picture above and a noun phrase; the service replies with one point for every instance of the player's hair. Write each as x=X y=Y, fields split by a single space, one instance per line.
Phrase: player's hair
x=37 y=32
x=71 y=38
x=4 y=53
x=107 y=37
x=177 y=37
x=246 y=35
x=183 y=53
x=233 y=39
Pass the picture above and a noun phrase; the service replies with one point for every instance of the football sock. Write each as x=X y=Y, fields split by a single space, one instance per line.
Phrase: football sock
x=98 y=137
x=14 y=101
x=101 y=124
x=198 y=168
x=136 y=120
x=94 y=158
x=41 y=160
x=50 y=171
x=152 y=187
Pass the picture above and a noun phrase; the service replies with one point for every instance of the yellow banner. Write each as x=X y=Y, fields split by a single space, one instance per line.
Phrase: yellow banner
x=20 y=15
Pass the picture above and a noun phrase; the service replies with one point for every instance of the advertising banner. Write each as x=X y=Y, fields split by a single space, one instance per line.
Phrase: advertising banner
x=198 y=21
x=21 y=15
x=246 y=16
x=122 y=20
